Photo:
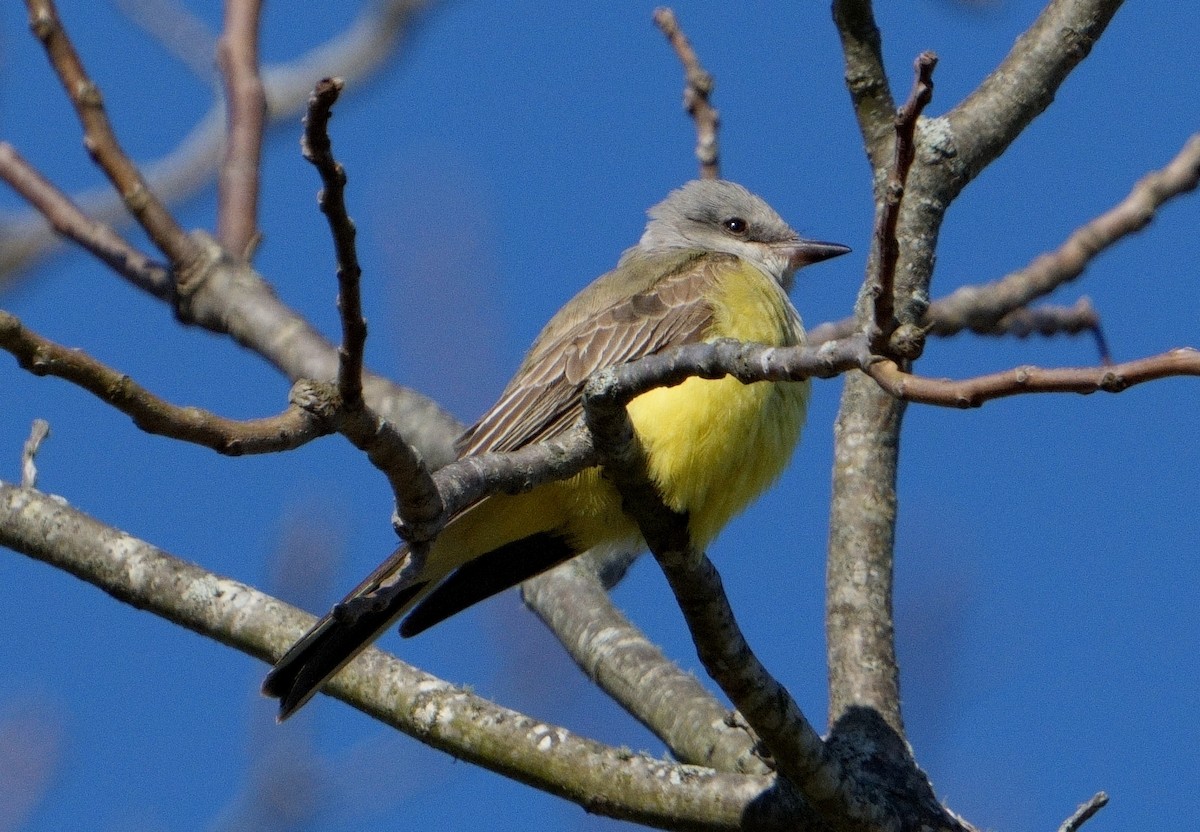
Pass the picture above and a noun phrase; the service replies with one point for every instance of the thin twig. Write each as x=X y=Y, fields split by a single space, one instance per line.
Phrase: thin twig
x=318 y=151
x=888 y=214
x=101 y=142
x=290 y=429
x=973 y=392
x=69 y=221
x=246 y=116
x=37 y=435
x=1084 y=813
x=698 y=87
x=1048 y=320
x=980 y=307
x=419 y=507
x=357 y=51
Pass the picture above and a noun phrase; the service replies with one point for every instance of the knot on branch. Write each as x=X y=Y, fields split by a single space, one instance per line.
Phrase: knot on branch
x=197 y=272
x=319 y=398
x=907 y=342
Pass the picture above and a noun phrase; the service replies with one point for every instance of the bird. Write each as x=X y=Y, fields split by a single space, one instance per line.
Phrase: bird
x=715 y=261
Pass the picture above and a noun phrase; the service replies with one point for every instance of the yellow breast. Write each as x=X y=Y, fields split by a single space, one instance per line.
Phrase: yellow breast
x=713 y=446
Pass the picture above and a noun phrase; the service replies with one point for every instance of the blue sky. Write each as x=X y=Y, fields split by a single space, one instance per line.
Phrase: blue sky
x=1047 y=570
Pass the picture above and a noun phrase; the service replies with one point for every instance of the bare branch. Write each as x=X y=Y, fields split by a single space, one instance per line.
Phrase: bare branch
x=604 y=780
x=800 y=756
x=951 y=151
x=184 y=35
x=290 y=429
x=361 y=49
x=101 y=142
x=1054 y=320
x=979 y=308
x=246 y=107
x=619 y=658
x=974 y=392
x=420 y=510
x=419 y=506
x=865 y=77
x=698 y=87
x=471 y=478
x=1084 y=813
x=318 y=151
x=94 y=236
x=888 y=212
x=1024 y=83
x=37 y=435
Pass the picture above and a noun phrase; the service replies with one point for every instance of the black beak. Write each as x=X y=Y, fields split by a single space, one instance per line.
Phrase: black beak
x=808 y=252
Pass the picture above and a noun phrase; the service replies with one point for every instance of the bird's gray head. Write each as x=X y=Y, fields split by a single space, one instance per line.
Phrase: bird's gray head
x=716 y=215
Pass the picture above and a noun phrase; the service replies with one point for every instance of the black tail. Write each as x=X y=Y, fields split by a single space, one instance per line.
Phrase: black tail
x=485 y=576
x=327 y=648
x=355 y=623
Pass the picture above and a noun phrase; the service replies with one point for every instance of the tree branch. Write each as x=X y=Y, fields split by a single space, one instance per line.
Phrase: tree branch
x=318 y=150
x=866 y=79
x=1022 y=86
x=604 y=780
x=888 y=213
x=1084 y=813
x=96 y=237
x=951 y=151
x=626 y=665
x=698 y=87
x=101 y=142
x=974 y=392
x=358 y=51
x=246 y=109
x=290 y=429
x=980 y=307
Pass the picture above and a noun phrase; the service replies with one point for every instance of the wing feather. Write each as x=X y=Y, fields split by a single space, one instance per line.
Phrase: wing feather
x=544 y=399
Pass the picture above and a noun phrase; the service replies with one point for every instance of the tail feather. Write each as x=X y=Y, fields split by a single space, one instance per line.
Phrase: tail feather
x=328 y=647
x=485 y=576
x=373 y=606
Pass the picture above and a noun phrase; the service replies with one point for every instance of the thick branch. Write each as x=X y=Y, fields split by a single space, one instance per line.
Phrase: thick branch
x=866 y=79
x=951 y=151
x=619 y=658
x=1023 y=85
x=604 y=780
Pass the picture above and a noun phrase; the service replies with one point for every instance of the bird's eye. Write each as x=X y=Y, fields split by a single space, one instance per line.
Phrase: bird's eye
x=736 y=226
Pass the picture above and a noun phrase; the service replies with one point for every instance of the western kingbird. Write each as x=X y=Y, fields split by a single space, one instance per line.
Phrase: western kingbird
x=715 y=261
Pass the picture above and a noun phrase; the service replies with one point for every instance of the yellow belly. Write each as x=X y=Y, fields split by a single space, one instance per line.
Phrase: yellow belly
x=712 y=445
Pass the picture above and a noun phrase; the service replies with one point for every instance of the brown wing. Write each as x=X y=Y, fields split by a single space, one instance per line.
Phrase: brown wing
x=544 y=398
